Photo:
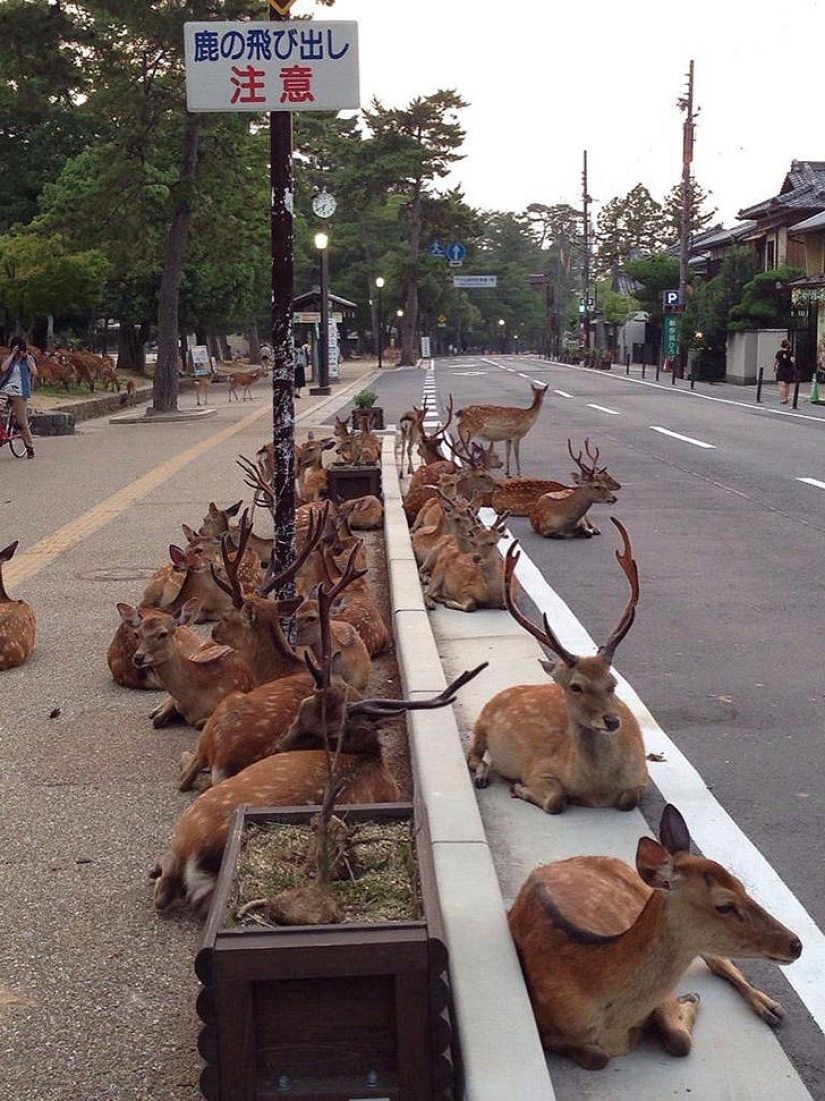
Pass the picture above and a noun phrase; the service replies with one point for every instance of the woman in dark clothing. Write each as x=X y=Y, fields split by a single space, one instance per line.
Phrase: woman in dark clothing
x=783 y=368
x=300 y=369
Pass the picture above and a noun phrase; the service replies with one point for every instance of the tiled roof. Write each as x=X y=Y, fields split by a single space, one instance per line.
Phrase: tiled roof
x=802 y=189
x=815 y=222
x=717 y=235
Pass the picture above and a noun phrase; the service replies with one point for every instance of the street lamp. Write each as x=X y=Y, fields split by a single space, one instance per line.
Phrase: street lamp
x=322 y=243
x=379 y=282
x=501 y=324
x=399 y=314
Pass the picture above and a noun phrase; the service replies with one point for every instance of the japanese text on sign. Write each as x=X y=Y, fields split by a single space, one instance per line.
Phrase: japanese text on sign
x=271 y=66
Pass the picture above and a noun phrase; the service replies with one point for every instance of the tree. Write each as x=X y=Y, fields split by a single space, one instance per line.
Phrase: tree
x=654 y=274
x=704 y=324
x=700 y=216
x=628 y=226
x=408 y=150
x=766 y=301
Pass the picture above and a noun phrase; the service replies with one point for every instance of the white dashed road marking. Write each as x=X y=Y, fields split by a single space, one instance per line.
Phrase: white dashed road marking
x=812 y=482
x=562 y=393
x=677 y=436
x=604 y=409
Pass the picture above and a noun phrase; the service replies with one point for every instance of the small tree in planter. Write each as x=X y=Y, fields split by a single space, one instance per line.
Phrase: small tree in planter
x=365 y=403
x=329 y=1008
x=357 y=471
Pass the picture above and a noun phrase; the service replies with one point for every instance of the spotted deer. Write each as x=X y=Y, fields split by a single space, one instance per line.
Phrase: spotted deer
x=363 y=513
x=410 y=431
x=202 y=385
x=501 y=422
x=299 y=777
x=18 y=625
x=350 y=657
x=244 y=381
x=196 y=682
x=122 y=649
x=311 y=473
x=466 y=580
x=219 y=520
x=246 y=728
x=165 y=583
x=573 y=740
x=562 y=514
x=603 y=945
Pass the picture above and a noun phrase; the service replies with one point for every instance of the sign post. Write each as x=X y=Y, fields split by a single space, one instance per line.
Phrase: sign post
x=278 y=66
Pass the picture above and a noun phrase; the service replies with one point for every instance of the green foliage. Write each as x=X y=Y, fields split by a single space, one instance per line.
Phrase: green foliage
x=700 y=215
x=766 y=301
x=41 y=276
x=704 y=324
x=617 y=308
x=655 y=274
x=365 y=399
x=629 y=226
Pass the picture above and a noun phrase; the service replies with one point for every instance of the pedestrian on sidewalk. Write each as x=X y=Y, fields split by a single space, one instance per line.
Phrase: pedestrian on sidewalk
x=300 y=368
x=16 y=376
x=783 y=367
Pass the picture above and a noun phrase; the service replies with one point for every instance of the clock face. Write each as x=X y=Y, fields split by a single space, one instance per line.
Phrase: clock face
x=324 y=205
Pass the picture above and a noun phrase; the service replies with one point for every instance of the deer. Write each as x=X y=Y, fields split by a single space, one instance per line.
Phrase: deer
x=18 y=624
x=356 y=449
x=165 y=583
x=410 y=431
x=244 y=381
x=297 y=777
x=311 y=474
x=218 y=520
x=247 y=727
x=603 y=945
x=130 y=396
x=350 y=658
x=563 y=514
x=362 y=513
x=501 y=422
x=199 y=582
x=358 y=607
x=467 y=580
x=125 y=642
x=196 y=682
x=202 y=385
x=573 y=740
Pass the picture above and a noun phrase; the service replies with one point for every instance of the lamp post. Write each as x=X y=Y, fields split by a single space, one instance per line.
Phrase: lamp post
x=399 y=314
x=323 y=387
x=379 y=282
x=501 y=324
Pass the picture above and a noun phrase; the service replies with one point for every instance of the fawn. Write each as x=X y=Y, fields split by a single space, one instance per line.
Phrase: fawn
x=18 y=625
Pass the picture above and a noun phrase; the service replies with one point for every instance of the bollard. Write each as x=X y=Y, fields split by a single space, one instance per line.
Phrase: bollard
x=673 y=375
x=658 y=369
x=795 y=395
x=627 y=364
x=692 y=381
x=643 y=368
x=759 y=378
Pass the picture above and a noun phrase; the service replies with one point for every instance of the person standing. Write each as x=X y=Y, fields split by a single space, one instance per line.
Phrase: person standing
x=16 y=376
x=300 y=369
x=783 y=367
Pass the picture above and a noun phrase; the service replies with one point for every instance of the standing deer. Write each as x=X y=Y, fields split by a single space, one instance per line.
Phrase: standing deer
x=295 y=778
x=202 y=384
x=411 y=429
x=244 y=381
x=603 y=946
x=562 y=514
x=571 y=741
x=501 y=422
x=18 y=626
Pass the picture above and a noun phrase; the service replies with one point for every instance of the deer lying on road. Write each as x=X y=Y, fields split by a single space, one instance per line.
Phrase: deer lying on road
x=196 y=682
x=123 y=646
x=501 y=422
x=603 y=946
x=18 y=625
x=295 y=778
x=466 y=580
x=244 y=381
x=165 y=583
x=563 y=514
x=571 y=741
x=357 y=448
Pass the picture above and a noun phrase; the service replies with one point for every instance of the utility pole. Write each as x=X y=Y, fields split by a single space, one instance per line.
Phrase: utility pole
x=586 y=200
x=686 y=104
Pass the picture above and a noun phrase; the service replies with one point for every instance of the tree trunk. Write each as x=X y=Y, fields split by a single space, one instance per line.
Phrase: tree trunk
x=410 y=319
x=254 y=343
x=131 y=353
x=165 y=389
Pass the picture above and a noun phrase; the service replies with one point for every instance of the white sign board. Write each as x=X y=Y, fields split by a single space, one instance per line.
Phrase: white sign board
x=334 y=370
x=425 y=347
x=469 y=281
x=201 y=363
x=272 y=66
x=313 y=316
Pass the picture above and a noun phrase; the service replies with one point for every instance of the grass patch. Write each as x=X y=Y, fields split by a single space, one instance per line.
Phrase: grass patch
x=381 y=882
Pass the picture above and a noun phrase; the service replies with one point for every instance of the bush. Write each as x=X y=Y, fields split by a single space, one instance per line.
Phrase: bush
x=365 y=399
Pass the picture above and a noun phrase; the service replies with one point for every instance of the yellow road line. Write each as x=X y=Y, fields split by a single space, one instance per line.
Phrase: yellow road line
x=35 y=559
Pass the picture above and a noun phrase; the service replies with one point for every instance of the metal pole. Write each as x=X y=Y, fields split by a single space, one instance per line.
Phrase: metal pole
x=673 y=374
x=323 y=351
x=586 y=272
x=627 y=363
x=795 y=394
x=688 y=133
x=692 y=381
x=760 y=376
x=658 y=369
x=283 y=366
x=380 y=329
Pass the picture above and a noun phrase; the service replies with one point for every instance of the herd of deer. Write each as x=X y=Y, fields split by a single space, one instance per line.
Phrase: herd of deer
x=64 y=367
x=602 y=944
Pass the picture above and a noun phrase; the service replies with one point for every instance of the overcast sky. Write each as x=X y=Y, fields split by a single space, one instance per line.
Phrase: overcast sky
x=547 y=79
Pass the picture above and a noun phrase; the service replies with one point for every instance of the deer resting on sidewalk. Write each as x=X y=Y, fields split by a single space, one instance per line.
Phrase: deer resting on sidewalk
x=570 y=741
x=603 y=946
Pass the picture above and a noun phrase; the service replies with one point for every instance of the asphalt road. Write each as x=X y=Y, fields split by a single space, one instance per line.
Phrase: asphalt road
x=725 y=648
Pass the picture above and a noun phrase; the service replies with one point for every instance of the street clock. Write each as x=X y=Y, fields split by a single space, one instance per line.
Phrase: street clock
x=324 y=204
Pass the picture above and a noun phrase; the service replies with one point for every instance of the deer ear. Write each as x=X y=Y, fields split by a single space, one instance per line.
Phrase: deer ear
x=213 y=508
x=187 y=612
x=548 y=666
x=654 y=864
x=178 y=556
x=190 y=533
x=673 y=832
x=232 y=510
x=131 y=616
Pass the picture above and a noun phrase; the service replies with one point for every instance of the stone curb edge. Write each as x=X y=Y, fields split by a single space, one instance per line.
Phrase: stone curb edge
x=500 y=1046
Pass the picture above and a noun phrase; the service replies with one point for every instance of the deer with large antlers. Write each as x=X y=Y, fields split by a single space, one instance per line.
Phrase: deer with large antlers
x=18 y=625
x=603 y=946
x=563 y=514
x=518 y=495
x=295 y=778
x=196 y=682
x=248 y=727
x=573 y=740
x=501 y=422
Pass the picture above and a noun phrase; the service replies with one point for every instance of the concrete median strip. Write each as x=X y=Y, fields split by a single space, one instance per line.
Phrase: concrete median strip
x=499 y=1042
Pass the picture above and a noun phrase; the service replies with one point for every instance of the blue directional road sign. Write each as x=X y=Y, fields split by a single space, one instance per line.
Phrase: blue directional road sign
x=456 y=251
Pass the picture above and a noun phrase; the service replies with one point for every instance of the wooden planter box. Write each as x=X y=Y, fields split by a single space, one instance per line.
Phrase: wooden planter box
x=360 y=417
x=326 y=1012
x=347 y=482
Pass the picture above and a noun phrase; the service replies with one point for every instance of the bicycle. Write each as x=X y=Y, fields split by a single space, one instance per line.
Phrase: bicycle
x=10 y=432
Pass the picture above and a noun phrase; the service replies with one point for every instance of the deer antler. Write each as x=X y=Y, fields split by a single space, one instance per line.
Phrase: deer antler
x=631 y=571
x=232 y=586
x=315 y=528
x=263 y=491
x=377 y=709
x=546 y=636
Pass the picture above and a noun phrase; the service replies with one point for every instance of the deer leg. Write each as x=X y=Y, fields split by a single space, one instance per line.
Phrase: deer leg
x=516 y=445
x=164 y=713
x=168 y=882
x=771 y=1012
x=189 y=767
x=674 y=1019
x=589 y=1056
x=482 y=768
x=507 y=458
x=627 y=800
x=542 y=790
